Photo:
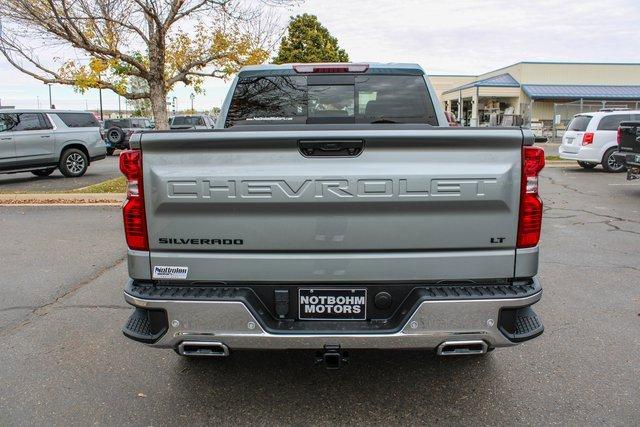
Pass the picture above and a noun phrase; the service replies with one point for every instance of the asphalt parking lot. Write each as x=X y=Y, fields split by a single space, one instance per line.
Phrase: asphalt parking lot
x=65 y=361
x=98 y=171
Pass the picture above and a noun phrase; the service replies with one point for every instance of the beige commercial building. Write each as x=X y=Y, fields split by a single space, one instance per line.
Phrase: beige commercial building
x=544 y=95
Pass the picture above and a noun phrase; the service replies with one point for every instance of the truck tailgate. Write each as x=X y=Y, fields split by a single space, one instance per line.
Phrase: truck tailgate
x=418 y=204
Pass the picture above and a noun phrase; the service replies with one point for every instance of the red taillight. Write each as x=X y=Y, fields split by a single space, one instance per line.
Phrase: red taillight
x=587 y=138
x=135 y=223
x=330 y=68
x=619 y=136
x=530 y=220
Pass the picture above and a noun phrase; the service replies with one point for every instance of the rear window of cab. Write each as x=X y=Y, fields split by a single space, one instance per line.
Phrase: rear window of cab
x=331 y=99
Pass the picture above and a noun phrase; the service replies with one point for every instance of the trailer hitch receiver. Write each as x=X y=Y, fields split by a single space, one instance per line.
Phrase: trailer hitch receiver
x=332 y=356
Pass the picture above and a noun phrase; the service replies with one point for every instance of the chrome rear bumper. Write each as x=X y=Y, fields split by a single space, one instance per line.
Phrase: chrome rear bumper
x=431 y=324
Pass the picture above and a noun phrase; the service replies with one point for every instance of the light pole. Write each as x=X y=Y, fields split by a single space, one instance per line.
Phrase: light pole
x=50 y=102
x=192 y=96
x=100 y=95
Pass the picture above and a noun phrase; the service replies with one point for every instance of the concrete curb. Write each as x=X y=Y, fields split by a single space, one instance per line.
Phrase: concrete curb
x=62 y=199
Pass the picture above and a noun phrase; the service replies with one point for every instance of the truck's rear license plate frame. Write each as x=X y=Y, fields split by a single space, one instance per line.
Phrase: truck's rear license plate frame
x=332 y=303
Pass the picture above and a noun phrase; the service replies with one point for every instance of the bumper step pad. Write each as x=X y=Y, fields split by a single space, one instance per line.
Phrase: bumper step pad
x=146 y=325
x=520 y=324
x=206 y=292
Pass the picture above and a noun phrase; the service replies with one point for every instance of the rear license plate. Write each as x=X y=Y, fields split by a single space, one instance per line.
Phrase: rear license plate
x=332 y=304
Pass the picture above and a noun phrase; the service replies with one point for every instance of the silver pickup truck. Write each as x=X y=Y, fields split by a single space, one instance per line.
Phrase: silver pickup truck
x=333 y=209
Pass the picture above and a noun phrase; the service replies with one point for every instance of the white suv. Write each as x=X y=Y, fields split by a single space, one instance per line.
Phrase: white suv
x=591 y=138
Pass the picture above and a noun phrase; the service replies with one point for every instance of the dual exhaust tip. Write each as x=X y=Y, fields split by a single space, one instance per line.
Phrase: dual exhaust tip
x=462 y=348
x=203 y=349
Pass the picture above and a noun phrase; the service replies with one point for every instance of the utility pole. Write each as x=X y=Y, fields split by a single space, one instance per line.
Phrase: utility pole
x=119 y=110
x=192 y=96
x=174 y=99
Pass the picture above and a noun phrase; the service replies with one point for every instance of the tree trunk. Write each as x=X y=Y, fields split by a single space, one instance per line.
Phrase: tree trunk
x=158 y=98
x=156 y=79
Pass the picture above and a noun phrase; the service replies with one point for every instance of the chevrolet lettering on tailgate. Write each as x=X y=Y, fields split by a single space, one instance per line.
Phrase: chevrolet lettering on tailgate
x=328 y=188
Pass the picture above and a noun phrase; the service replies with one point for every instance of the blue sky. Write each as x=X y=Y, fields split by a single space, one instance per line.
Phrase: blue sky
x=454 y=36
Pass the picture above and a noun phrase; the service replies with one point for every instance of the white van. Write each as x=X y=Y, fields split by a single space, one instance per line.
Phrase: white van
x=591 y=139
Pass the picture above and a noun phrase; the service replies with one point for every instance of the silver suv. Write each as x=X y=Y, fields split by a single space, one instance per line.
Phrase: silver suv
x=41 y=141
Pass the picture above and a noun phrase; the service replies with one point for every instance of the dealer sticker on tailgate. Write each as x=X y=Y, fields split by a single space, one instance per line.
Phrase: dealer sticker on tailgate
x=332 y=304
x=169 y=272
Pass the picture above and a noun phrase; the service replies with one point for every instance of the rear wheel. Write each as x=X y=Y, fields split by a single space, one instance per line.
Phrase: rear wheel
x=587 y=165
x=609 y=162
x=73 y=163
x=43 y=172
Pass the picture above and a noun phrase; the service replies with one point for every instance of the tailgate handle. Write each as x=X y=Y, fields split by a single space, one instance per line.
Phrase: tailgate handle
x=333 y=148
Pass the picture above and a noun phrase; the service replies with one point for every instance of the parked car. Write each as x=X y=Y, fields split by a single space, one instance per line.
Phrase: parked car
x=199 y=121
x=335 y=210
x=628 y=152
x=41 y=141
x=591 y=139
x=118 y=131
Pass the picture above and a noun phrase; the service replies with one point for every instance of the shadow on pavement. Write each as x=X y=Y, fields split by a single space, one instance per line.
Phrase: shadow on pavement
x=374 y=382
x=35 y=182
x=34 y=179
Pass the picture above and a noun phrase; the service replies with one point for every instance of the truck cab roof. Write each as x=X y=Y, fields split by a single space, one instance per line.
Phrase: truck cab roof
x=370 y=68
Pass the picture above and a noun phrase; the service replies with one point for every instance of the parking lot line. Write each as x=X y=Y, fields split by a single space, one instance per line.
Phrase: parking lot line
x=628 y=183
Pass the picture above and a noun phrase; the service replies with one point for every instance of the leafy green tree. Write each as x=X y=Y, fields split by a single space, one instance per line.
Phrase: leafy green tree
x=307 y=40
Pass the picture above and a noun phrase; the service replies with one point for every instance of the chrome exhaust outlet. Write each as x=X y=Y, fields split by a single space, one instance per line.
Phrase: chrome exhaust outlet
x=203 y=349
x=462 y=348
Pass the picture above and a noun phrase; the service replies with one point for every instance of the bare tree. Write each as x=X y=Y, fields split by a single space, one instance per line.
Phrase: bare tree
x=158 y=42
